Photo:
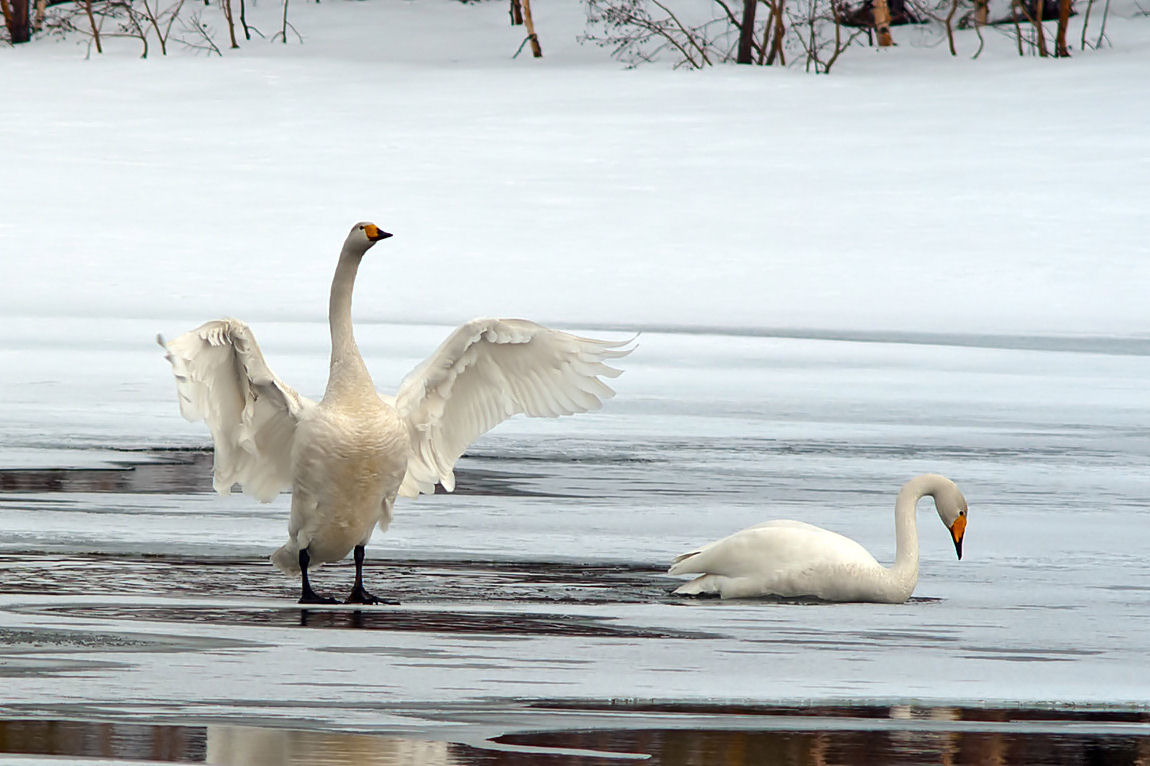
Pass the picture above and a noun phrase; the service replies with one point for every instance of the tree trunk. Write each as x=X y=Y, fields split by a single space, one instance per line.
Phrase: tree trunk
x=536 y=51
x=95 y=27
x=950 y=26
x=747 y=33
x=1016 y=10
x=516 y=13
x=41 y=10
x=244 y=21
x=981 y=12
x=780 y=32
x=1039 y=30
x=1060 y=49
x=766 y=35
x=19 y=24
x=7 y=11
x=882 y=23
x=227 y=4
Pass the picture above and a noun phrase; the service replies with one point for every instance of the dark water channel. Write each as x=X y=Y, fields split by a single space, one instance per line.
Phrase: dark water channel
x=251 y=746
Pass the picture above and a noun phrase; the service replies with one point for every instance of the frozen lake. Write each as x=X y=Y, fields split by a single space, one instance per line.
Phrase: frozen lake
x=534 y=598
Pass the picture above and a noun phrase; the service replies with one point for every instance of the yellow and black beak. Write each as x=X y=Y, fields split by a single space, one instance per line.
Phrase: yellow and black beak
x=957 y=530
x=374 y=233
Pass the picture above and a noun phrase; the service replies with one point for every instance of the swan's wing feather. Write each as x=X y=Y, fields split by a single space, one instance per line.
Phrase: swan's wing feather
x=485 y=372
x=223 y=380
x=773 y=546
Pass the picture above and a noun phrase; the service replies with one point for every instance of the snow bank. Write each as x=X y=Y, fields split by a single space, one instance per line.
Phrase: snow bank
x=909 y=191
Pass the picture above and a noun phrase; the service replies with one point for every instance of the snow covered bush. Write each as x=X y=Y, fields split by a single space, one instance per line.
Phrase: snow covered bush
x=815 y=33
x=699 y=34
x=155 y=23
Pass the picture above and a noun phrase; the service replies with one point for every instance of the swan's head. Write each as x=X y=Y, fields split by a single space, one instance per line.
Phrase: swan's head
x=951 y=506
x=363 y=235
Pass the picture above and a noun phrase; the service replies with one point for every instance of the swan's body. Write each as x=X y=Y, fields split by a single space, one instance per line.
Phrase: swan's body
x=792 y=559
x=348 y=456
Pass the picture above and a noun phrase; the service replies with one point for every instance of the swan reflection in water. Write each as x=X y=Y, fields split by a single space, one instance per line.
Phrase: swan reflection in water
x=251 y=746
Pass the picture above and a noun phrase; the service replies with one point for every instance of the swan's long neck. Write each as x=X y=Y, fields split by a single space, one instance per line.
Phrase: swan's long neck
x=904 y=573
x=348 y=372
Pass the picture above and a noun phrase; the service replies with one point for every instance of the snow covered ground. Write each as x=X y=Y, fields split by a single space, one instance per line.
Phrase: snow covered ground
x=913 y=192
x=915 y=264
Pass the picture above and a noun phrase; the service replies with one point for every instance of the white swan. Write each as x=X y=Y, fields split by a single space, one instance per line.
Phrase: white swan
x=793 y=559
x=347 y=456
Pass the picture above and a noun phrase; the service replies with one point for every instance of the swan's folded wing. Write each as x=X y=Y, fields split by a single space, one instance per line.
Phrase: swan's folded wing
x=771 y=547
x=223 y=380
x=485 y=372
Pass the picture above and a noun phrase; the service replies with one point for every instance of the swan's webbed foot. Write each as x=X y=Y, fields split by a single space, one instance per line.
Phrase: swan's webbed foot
x=359 y=595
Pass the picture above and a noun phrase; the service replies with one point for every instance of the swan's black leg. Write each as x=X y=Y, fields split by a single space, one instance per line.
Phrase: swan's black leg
x=358 y=594
x=309 y=596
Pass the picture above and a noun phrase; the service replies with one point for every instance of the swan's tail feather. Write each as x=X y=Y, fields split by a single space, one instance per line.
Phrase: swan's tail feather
x=681 y=562
x=706 y=585
x=286 y=559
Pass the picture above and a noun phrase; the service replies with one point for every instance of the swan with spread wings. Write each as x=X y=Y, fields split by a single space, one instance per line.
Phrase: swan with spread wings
x=347 y=456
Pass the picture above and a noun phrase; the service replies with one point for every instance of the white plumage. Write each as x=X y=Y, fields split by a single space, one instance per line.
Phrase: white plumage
x=347 y=456
x=792 y=559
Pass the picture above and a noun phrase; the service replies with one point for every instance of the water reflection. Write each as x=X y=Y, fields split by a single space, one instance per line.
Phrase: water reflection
x=248 y=746
x=823 y=748
x=254 y=746
x=102 y=740
x=189 y=471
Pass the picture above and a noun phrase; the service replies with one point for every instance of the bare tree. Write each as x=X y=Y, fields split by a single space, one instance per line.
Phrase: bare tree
x=1086 y=22
x=227 y=8
x=17 y=19
x=1102 y=31
x=130 y=25
x=882 y=23
x=641 y=30
x=1035 y=19
x=1060 y=48
x=6 y=9
x=162 y=20
x=198 y=36
x=129 y=19
x=92 y=23
x=1086 y=25
x=244 y=21
x=282 y=34
x=747 y=33
x=536 y=50
x=776 y=27
x=822 y=34
x=950 y=26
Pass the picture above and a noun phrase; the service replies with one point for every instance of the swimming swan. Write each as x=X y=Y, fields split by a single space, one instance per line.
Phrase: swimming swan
x=793 y=559
x=347 y=456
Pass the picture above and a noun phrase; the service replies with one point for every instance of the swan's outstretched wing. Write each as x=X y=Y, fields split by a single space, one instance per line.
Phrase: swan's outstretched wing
x=223 y=380
x=485 y=372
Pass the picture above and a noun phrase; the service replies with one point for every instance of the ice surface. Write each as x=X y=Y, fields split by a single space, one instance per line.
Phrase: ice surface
x=709 y=434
